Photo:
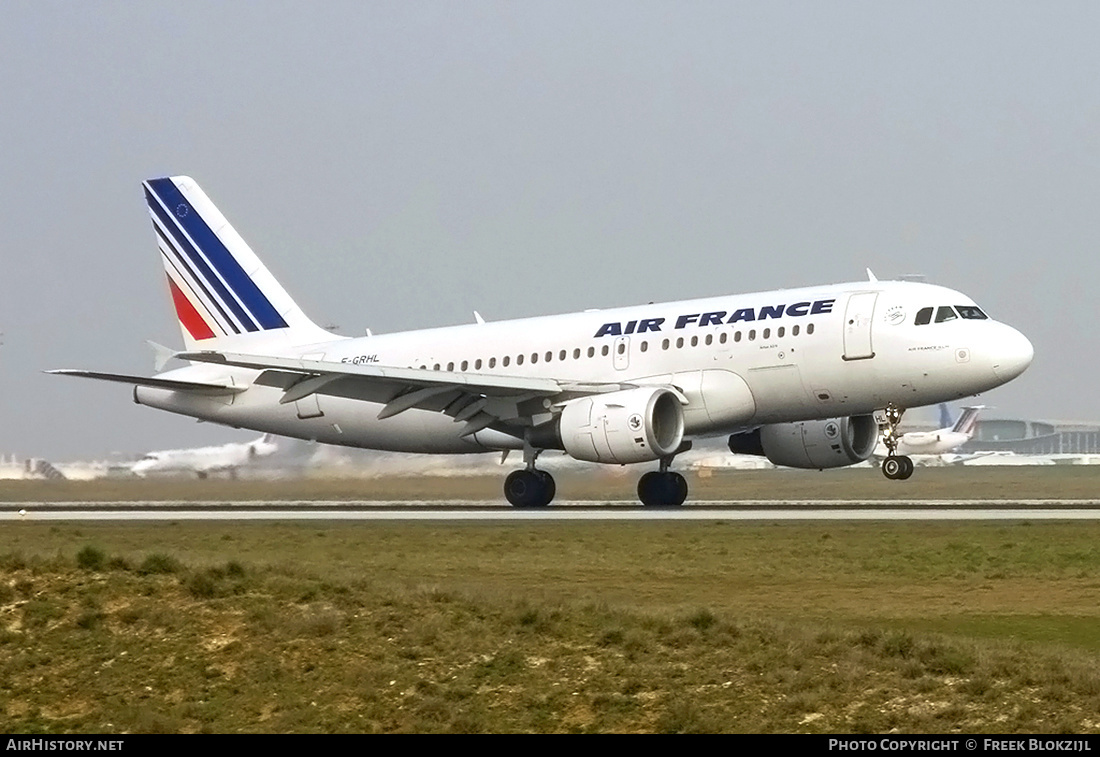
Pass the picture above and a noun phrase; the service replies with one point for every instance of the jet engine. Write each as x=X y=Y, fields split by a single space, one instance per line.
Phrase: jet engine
x=829 y=443
x=629 y=426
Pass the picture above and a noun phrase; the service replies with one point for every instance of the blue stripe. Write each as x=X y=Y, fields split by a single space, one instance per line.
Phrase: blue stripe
x=179 y=265
x=223 y=261
x=199 y=267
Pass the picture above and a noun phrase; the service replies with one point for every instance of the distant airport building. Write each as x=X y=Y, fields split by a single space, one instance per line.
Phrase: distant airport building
x=1035 y=437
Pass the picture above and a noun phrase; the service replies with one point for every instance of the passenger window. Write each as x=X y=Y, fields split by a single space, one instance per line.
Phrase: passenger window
x=645 y=346
x=767 y=333
x=679 y=342
x=591 y=351
x=794 y=330
x=450 y=366
x=737 y=336
x=465 y=364
x=924 y=315
x=695 y=341
x=971 y=312
x=809 y=328
x=709 y=339
x=534 y=357
x=577 y=353
x=945 y=313
x=605 y=350
x=622 y=348
x=561 y=355
x=752 y=334
x=781 y=331
x=435 y=367
x=507 y=359
x=519 y=359
x=477 y=364
x=722 y=337
x=664 y=344
x=493 y=362
x=549 y=356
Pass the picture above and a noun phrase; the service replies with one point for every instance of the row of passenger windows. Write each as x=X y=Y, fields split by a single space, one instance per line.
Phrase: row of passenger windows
x=666 y=344
x=948 y=313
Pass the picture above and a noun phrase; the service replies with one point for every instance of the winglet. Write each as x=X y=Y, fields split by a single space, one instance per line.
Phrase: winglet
x=871 y=276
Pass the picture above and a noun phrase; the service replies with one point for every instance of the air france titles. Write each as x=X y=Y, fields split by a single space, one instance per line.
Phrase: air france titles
x=717 y=318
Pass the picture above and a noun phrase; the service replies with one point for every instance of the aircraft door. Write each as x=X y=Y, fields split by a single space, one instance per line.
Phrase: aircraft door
x=858 y=317
x=621 y=353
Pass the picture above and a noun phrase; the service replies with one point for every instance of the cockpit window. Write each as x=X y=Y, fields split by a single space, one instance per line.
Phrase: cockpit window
x=924 y=315
x=971 y=312
x=945 y=313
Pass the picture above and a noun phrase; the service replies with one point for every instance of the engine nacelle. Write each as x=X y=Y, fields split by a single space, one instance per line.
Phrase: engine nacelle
x=831 y=443
x=631 y=426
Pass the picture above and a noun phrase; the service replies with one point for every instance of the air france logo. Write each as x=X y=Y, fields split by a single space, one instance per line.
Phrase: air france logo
x=634 y=422
x=832 y=431
x=716 y=318
x=895 y=316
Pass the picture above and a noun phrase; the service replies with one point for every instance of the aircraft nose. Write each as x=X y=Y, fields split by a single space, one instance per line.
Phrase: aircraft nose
x=1012 y=354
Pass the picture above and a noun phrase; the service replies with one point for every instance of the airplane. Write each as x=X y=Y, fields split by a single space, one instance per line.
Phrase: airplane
x=206 y=460
x=795 y=375
x=934 y=443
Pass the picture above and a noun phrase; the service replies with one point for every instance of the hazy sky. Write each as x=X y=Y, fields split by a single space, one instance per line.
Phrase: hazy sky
x=400 y=164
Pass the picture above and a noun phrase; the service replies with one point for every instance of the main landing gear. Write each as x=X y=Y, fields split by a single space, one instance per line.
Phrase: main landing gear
x=529 y=487
x=663 y=488
x=895 y=467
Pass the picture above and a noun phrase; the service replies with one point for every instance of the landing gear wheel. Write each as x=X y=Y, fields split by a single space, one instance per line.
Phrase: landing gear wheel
x=897 y=468
x=662 y=489
x=529 y=488
x=907 y=467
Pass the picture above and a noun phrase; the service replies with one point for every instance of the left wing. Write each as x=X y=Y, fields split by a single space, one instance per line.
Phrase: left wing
x=479 y=400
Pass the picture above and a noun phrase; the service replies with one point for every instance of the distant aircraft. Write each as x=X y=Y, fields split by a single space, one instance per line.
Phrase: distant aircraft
x=939 y=442
x=795 y=375
x=203 y=461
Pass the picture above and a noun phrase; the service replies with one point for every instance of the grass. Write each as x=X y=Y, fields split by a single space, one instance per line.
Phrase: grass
x=541 y=627
x=597 y=483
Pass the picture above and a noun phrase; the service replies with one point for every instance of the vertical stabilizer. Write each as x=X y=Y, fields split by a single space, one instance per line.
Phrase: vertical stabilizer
x=966 y=422
x=220 y=289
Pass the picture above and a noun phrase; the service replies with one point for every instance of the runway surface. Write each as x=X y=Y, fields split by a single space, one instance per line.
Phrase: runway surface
x=774 y=510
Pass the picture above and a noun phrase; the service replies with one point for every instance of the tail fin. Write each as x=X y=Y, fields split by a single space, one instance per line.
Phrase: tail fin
x=945 y=416
x=965 y=423
x=219 y=288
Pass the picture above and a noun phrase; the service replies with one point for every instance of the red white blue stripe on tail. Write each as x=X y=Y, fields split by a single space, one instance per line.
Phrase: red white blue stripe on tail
x=219 y=287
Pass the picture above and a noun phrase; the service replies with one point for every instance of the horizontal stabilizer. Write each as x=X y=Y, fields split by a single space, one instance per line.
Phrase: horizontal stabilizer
x=180 y=386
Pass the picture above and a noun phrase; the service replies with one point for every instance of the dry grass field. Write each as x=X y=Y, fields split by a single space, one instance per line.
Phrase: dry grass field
x=557 y=627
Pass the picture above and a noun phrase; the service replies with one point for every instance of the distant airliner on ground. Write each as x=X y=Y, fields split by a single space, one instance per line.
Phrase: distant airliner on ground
x=930 y=443
x=794 y=374
x=202 y=461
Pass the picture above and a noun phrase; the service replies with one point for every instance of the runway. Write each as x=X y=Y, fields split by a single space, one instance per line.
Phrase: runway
x=416 y=511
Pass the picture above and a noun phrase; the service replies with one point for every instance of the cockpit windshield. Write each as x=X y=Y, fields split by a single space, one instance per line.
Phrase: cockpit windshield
x=946 y=313
x=973 y=312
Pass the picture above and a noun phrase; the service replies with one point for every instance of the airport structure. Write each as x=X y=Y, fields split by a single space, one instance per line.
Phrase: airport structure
x=1023 y=437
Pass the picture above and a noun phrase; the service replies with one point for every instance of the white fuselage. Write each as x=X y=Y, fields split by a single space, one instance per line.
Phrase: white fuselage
x=740 y=361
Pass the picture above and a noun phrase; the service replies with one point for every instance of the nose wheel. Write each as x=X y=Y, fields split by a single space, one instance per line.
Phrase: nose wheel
x=897 y=467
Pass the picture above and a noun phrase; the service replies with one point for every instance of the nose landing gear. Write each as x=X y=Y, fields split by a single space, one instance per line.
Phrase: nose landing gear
x=895 y=467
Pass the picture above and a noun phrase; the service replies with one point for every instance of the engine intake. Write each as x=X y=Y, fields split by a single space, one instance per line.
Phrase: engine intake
x=829 y=443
